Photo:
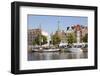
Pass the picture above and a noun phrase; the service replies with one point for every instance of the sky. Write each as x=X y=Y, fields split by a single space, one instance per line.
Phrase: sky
x=50 y=23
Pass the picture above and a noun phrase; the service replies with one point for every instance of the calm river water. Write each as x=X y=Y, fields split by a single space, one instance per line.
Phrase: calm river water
x=56 y=55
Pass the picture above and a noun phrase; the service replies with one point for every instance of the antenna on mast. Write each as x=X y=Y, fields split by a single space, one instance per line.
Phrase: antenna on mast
x=58 y=22
x=40 y=26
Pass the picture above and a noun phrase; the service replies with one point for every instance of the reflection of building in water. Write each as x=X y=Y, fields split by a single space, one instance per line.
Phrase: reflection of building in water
x=33 y=33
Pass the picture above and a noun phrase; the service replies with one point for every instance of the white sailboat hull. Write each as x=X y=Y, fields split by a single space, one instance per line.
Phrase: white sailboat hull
x=75 y=49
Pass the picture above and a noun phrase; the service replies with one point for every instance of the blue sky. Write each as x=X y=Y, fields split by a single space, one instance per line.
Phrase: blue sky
x=50 y=23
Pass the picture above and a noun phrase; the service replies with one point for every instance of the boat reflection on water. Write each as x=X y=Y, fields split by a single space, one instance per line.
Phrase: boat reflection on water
x=55 y=55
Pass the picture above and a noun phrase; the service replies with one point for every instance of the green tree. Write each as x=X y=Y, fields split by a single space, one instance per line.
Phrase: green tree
x=71 y=38
x=44 y=39
x=85 y=38
x=34 y=42
x=55 y=39
x=40 y=40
